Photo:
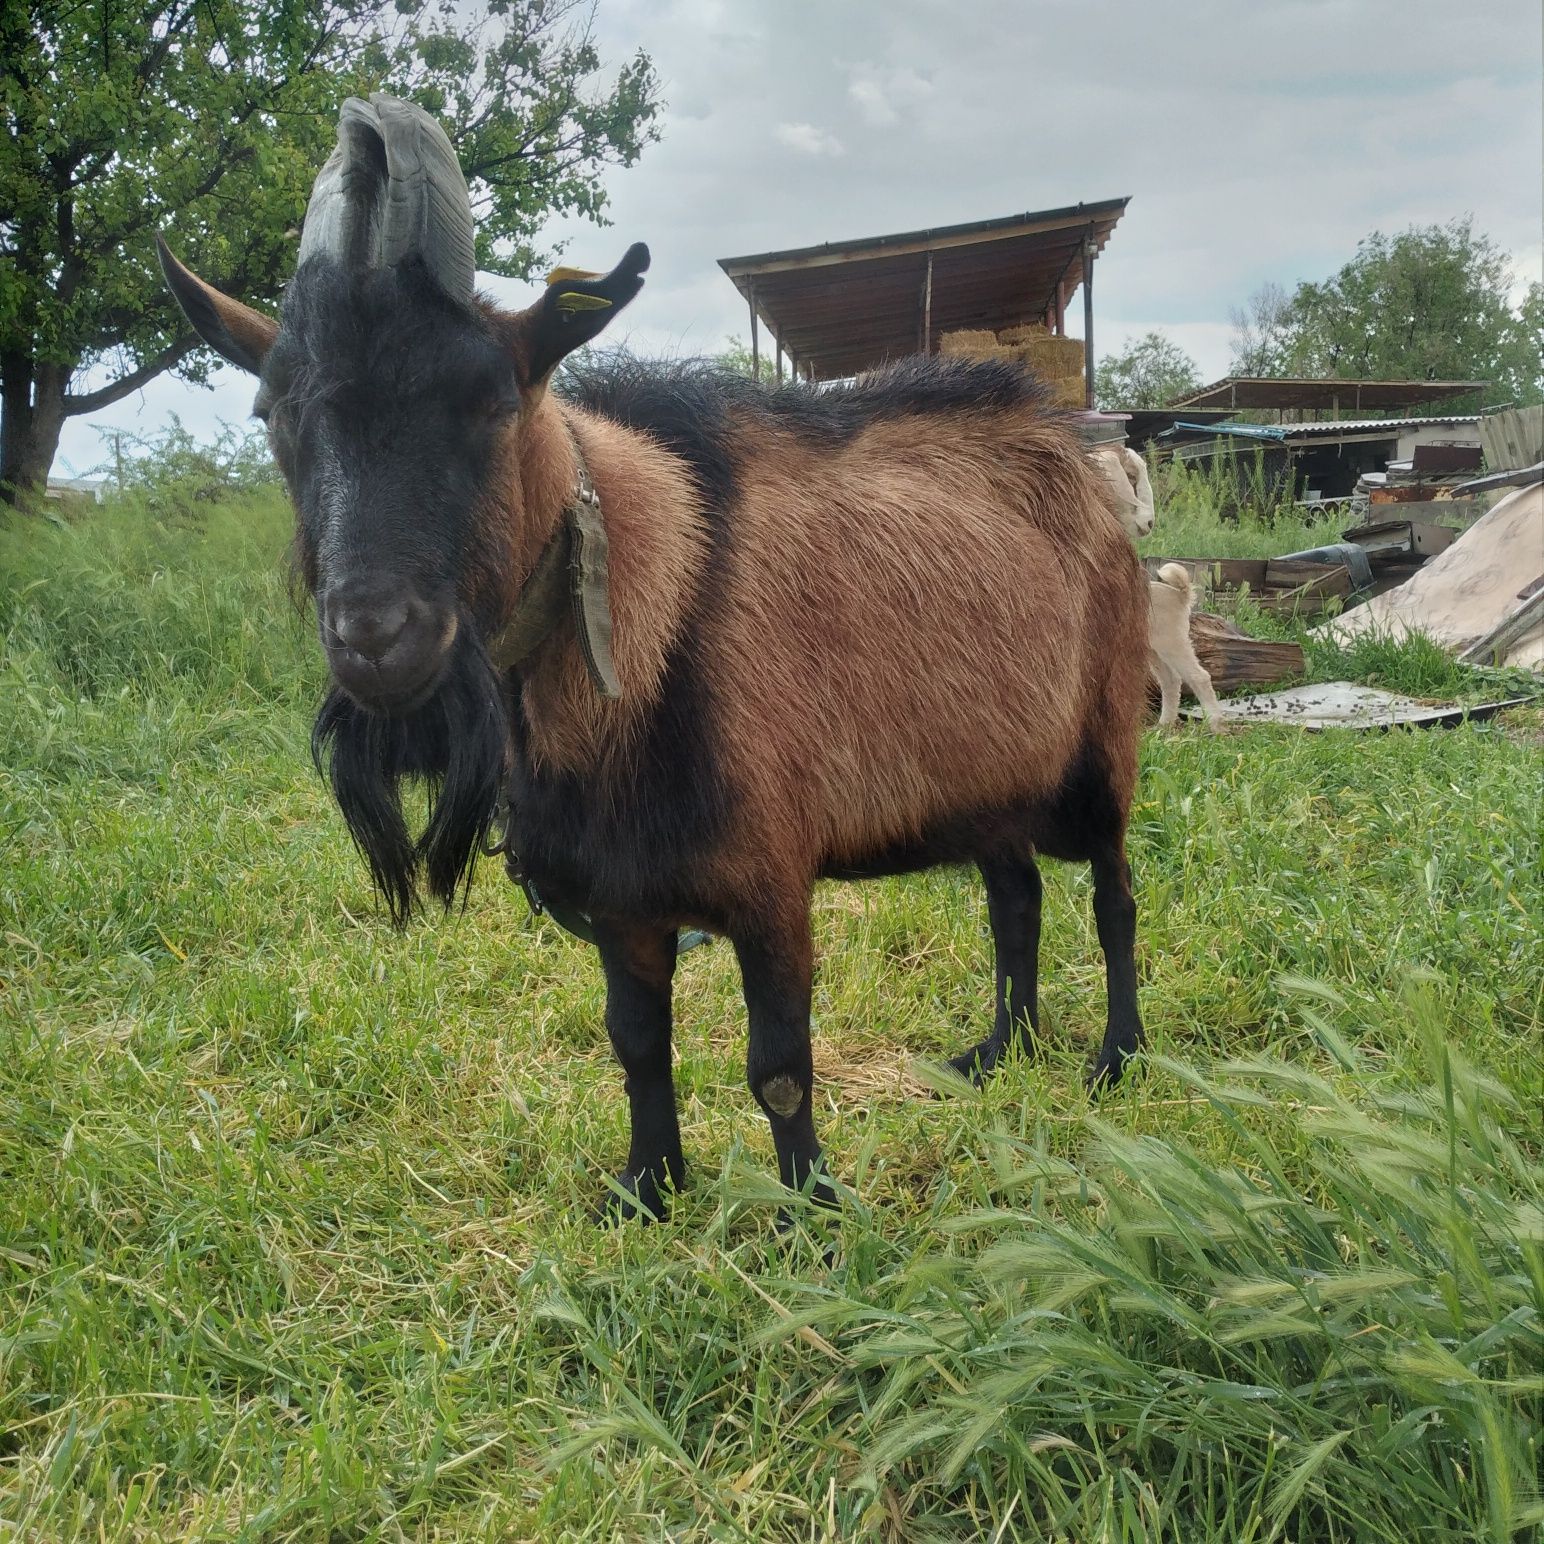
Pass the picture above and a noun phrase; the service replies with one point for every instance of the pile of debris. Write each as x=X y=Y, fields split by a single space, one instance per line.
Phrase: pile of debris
x=1431 y=474
x=1482 y=599
x=1481 y=595
x=1467 y=577
x=1056 y=360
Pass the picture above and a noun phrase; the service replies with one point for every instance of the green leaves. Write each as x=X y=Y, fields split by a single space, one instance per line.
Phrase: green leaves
x=1150 y=372
x=1430 y=303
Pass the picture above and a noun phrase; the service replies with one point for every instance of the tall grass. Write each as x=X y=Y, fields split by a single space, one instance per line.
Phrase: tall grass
x=293 y=1209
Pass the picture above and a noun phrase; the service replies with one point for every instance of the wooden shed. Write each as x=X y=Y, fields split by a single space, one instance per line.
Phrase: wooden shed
x=845 y=306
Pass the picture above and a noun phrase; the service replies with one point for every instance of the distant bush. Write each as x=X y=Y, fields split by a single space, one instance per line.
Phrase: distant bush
x=179 y=476
x=1241 y=490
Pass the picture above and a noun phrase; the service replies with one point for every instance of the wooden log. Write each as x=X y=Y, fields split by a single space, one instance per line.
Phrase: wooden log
x=1234 y=660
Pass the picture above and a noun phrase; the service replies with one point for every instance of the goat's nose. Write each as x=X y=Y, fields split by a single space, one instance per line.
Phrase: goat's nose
x=369 y=628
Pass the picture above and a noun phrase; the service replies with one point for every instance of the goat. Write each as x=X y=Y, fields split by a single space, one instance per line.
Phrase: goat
x=1171 y=655
x=814 y=635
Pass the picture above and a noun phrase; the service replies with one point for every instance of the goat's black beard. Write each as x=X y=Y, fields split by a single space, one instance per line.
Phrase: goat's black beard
x=457 y=744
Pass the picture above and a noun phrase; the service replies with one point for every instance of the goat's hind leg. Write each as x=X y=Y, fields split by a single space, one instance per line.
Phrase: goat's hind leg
x=639 y=963
x=1013 y=894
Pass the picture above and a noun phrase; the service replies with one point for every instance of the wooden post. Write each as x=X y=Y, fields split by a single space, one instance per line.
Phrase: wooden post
x=1088 y=319
x=755 y=337
x=927 y=308
x=779 y=361
x=1059 y=325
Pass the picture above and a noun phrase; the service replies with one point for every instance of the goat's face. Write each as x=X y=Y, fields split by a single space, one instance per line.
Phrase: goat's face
x=385 y=403
x=389 y=391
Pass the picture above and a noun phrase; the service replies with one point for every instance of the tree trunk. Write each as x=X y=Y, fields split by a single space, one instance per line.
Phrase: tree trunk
x=31 y=420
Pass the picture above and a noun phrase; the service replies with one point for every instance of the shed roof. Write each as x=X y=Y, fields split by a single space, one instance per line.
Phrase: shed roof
x=1330 y=429
x=845 y=306
x=1258 y=391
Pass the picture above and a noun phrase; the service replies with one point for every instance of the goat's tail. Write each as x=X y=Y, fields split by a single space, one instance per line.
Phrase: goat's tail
x=1177 y=577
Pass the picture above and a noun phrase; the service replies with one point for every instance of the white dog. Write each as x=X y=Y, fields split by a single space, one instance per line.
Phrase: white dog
x=1171 y=657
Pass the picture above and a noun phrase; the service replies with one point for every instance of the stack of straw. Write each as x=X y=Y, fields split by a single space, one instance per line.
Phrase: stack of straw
x=1057 y=362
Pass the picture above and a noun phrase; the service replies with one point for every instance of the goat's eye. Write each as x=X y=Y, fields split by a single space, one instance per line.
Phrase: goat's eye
x=503 y=409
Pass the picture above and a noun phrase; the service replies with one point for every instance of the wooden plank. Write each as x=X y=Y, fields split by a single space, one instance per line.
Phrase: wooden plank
x=1218 y=573
x=1443 y=459
x=1310 y=598
x=1446 y=512
x=1494 y=645
x=1522 y=478
x=1291 y=573
x=1513 y=439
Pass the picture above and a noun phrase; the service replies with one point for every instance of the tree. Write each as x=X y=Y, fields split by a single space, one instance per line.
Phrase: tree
x=1431 y=303
x=1151 y=372
x=736 y=356
x=207 y=120
x=1260 y=330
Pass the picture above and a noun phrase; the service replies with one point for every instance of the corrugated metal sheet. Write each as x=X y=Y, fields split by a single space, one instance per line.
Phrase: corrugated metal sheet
x=1336 y=426
x=1257 y=391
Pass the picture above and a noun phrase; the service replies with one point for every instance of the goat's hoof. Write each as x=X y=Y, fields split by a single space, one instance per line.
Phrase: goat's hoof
x=642 y=1199
x=827 y=1205
x=1108 y=1070
x=977 y=1064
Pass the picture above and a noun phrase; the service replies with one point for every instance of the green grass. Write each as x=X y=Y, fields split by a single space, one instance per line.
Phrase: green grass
x=293 y=1234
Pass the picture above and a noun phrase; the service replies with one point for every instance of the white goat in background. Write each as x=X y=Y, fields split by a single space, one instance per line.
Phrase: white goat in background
x=1171 y=657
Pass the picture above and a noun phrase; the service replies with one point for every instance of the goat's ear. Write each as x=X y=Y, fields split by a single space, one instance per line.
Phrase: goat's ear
x=575 y=308
x=232 y=330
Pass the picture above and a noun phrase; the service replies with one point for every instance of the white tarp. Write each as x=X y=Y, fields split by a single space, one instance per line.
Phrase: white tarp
x=1461 y=594
x=1345 y=705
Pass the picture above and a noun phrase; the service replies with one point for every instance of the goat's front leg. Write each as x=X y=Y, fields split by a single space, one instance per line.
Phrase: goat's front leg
x=776 y=965
x=639 y=963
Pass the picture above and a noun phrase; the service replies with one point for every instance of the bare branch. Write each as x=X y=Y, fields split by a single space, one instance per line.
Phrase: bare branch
x=116 y=391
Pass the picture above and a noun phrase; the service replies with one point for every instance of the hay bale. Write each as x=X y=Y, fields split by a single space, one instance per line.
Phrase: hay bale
x=1052 y=358
x=1028 y=332
x=1066 y=392
x=969 y=343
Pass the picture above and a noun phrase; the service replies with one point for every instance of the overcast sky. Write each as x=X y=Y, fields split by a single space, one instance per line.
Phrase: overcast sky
x=1256 y=142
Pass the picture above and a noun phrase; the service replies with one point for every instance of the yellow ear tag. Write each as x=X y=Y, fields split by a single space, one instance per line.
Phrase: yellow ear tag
x=572 y=276
x=573 y=301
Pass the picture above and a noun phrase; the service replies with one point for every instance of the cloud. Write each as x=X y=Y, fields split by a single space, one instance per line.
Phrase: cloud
x=885 y=94
x=807 y=139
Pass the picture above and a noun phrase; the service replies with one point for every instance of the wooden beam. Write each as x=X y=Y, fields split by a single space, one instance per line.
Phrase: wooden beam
x=755 y=338
x=1088 y=318
x=927 y=308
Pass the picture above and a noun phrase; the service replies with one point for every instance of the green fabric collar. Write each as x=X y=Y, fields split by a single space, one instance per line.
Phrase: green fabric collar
x=572 y=572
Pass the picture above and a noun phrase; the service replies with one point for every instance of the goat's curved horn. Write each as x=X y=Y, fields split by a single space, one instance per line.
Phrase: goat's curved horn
x=393 y=187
